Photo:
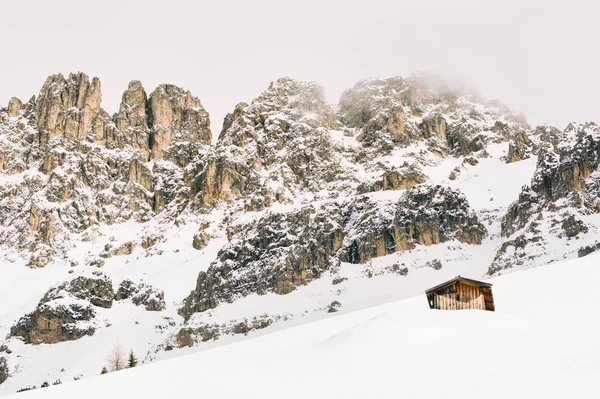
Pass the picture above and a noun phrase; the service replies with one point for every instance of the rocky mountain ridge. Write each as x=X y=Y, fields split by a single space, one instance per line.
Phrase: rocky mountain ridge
x=299 y=208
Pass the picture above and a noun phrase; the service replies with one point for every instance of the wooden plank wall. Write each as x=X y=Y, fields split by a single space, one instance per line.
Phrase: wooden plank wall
x=466 y=296
x=488 y=299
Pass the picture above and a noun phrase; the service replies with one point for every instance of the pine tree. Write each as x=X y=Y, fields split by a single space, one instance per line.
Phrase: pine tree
x=132 y=360
x=104 y=370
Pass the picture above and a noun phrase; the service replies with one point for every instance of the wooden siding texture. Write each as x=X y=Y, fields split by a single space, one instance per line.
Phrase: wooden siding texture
x=462 y=296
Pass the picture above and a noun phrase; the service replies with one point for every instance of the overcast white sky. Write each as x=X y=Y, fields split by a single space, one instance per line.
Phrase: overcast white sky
x=539 y=57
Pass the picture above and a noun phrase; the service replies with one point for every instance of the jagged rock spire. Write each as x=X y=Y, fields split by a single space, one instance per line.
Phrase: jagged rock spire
x=14 y=106
x=175 y=115
x=67 y=106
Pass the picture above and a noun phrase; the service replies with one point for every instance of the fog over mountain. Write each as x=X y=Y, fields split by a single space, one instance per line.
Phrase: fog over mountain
x=536 y=56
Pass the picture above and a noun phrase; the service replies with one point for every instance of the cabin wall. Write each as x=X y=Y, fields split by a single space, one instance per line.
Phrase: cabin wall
x=461 y=296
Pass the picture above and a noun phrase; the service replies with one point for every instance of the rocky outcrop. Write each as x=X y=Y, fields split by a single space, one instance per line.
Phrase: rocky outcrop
x=66 y=312
x=397 y=112
x=131 y=121
x=141 y=294
x=191 y=336
x=98 y=290
x=572 y=227
x=285 y=250
x=68 y=107
x=3 y=370
x=277 y=254
x=51 y=323
x=559 y=176
x=281 y=138
x=435 y=126
x=394 y=178
x=563 y=191
x=14 y=107
x=377 y=108
x=200 y=240
x=123 y=249
x=519 y=148
x=585 y=251
x=175 y=116
x=424 y=215
x=94 y=168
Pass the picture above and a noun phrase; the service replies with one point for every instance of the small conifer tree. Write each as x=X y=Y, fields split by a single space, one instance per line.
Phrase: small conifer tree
x=104 y=370
x=132 y=362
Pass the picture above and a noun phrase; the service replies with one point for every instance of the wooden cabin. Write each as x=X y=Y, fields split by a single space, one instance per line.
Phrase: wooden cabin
x=461 y=293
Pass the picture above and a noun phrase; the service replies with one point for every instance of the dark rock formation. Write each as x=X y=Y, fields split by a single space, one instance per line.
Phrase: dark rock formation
x=283 y=251
x=585 y=251
x=519 y=148
x=95 y=168
x=190 y=336
x=564 y=186
x=97 y=290
x=280 y=252
x=424 y=215
x=281 y=136
x=394 y=179
x=3 y=370
x=52 y=324
x=334 y=307
x=150 y=297
x=573 y=227
x=66 y=311
x=558 y=176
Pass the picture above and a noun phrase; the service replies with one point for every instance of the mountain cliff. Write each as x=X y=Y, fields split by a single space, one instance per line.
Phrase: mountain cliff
x=138 y=225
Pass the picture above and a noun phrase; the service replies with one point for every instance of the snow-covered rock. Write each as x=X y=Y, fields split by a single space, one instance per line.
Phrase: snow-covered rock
x=300 y=209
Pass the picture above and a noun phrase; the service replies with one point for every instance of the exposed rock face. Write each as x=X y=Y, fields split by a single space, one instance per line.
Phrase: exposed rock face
x=435 y=126
x=519 y=148
x=51 y=324
x=573 y=227
x=282 y=138
x=94 y=169
x=190 y=336
x=66 y=312
x=176 y=116
x=558 y=176
x=97 y=290
x=396 y=112
x=200 y=240
x=376 y=107
x=132 y=121
x=124 y=249
x=424 y=215
x=283 y=251
x=563 y=191
x=3 y=370
x=429 y=215
x=150 y=297
x=585 y=251
x=14 y=106
x=67 y=106
x=394 y=179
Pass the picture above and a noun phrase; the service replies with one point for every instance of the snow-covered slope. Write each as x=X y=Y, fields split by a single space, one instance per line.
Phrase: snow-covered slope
x=540 y=343
x=138 y=229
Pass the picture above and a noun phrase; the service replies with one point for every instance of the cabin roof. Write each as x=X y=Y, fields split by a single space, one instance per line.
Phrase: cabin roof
x=457 y=279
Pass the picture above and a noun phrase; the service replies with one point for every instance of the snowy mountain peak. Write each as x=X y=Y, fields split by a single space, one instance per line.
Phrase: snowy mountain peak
x=137 y=225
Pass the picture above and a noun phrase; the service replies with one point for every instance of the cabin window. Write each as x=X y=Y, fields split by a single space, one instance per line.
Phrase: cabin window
x=458 y=297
